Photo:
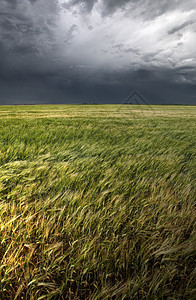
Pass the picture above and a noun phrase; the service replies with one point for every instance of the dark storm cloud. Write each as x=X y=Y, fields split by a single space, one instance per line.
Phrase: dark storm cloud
x=57 y=51
x=26 y=35
x=77 y=86
x=23 y=26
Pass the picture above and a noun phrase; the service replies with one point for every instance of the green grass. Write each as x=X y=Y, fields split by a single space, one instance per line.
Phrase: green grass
x=97 y=202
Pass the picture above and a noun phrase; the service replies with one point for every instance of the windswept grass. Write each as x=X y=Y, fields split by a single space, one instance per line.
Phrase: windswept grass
x=97 y=202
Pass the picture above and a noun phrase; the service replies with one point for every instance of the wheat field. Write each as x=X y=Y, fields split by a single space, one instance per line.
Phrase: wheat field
x=97 y=202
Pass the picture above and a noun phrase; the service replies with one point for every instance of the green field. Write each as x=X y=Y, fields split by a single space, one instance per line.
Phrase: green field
x=97 y=202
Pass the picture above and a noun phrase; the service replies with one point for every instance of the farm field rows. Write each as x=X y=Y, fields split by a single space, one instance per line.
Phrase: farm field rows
x=97 y=202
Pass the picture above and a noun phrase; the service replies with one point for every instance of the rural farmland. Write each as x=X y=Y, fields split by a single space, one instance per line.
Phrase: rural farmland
x=97 y=202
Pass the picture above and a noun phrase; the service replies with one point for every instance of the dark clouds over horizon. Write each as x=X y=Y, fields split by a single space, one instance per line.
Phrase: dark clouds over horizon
x=97 y=51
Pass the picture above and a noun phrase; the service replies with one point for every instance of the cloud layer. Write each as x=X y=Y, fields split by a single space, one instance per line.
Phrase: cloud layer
x=73 y=51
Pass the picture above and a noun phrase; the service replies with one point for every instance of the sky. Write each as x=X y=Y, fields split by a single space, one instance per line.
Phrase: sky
x=97 y=51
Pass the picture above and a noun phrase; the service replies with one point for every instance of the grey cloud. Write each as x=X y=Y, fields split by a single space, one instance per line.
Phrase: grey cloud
x=135 y=51
x=118 y=46
x=149 y=9
x=71 y=32
x=23 y=49
x=111 y=6
x=108 y=6
x=180 y=27
x=179 y=35
x=123 y=48
x=185 y=68
x=10 y=3
x=83 y=5
x=185 y=74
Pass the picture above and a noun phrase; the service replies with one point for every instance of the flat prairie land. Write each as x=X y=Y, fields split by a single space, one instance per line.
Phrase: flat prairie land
x=97 y=202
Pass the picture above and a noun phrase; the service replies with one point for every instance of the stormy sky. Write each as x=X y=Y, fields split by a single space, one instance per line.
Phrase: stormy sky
x=76 y=51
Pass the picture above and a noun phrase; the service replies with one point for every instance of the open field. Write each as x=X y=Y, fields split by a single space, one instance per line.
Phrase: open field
x=97 y=202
